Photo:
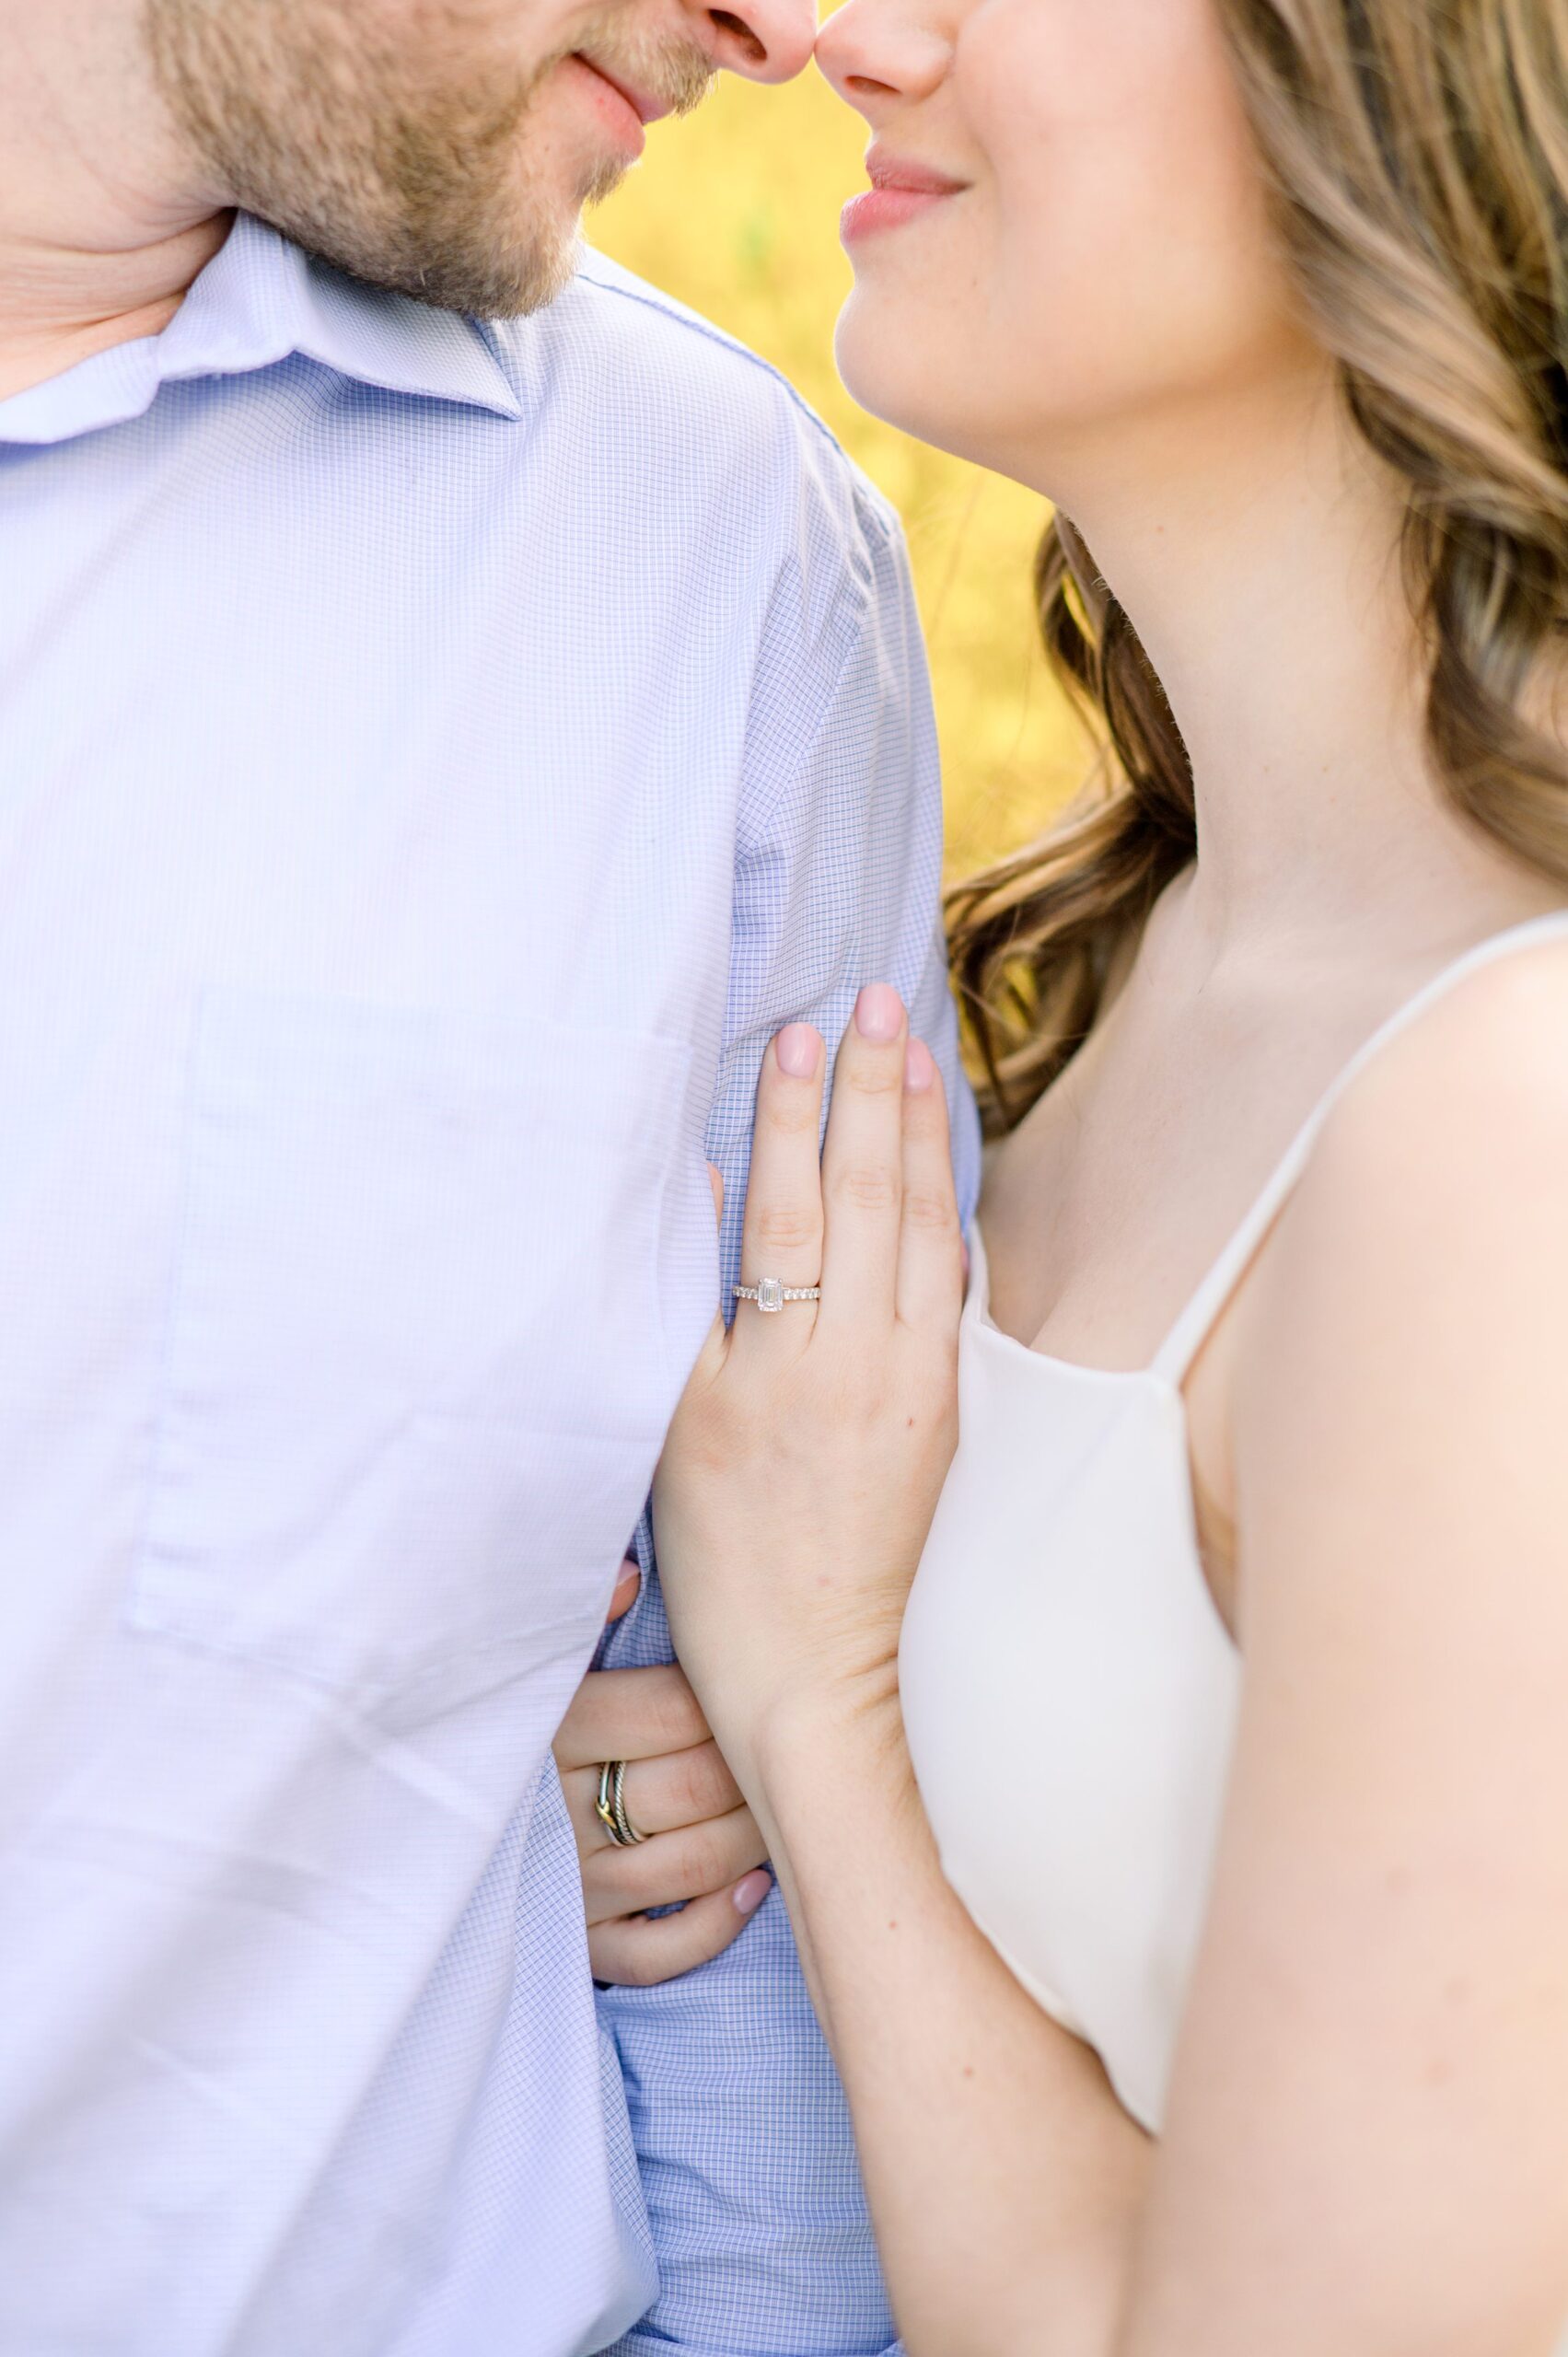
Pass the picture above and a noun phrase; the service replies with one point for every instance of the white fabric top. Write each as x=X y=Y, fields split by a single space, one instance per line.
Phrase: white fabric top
x=1061 y=1642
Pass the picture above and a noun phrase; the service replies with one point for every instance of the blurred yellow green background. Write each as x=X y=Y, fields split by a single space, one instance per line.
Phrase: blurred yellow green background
x=734 y=210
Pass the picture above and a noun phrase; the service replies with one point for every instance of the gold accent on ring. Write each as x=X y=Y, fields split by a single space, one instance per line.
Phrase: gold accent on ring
x=609 y=1805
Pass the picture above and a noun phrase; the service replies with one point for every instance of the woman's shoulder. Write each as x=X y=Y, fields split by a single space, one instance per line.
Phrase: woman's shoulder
x=1480 y=1074
x=1401 y=1387
x=1433 y=1199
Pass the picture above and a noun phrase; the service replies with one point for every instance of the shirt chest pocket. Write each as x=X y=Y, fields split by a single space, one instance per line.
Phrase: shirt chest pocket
x=415 y=1377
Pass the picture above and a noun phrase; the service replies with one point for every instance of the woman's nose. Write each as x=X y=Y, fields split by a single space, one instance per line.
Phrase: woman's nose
x=871 y=52
x=768 y=41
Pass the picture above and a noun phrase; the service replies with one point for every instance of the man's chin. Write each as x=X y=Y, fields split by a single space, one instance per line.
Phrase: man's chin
x=504 y=275
x=522 y=267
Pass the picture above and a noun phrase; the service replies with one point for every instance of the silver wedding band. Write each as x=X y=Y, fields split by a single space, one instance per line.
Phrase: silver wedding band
x=770 y=1294
x=609 y=1806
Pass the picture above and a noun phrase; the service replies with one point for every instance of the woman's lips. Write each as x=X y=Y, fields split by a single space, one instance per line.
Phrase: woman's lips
x=897 y=192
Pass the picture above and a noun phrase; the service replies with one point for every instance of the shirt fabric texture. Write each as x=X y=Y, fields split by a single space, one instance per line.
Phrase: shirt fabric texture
x=435 y=758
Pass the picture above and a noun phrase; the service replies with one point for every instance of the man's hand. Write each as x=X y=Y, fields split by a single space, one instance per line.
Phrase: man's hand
x=702 y=1846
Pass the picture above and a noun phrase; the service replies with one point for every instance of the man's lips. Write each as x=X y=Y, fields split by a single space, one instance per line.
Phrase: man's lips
x=899 y=189
x=644 y=105
x=624 y=108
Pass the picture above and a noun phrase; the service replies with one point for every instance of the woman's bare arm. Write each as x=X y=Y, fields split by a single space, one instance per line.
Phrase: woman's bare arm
x=1367 y=2149
x=791 y=1510
x=1368 y=2144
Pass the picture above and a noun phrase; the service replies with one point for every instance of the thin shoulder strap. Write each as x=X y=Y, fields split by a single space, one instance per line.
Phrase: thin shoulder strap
x=1185 y=1337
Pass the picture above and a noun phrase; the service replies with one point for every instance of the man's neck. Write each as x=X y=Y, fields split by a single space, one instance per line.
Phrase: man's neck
x=103 y=223
x=57 y=308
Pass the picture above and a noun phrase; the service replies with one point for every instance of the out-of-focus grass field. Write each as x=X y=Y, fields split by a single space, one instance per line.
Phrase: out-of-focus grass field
x=735 y=212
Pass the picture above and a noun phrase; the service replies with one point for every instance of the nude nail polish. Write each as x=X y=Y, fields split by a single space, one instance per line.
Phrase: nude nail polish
x=879 y=1012
x=796 y=1050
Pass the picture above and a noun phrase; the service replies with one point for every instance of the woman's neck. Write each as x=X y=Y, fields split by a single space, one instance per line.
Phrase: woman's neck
x=1257 y=555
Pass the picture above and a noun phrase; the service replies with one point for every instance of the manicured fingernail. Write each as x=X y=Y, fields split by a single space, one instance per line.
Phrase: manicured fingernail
x=919 y=1069
x=625 y=1593
x=749 y=1893
x=879 y=1012
x=798 y=1048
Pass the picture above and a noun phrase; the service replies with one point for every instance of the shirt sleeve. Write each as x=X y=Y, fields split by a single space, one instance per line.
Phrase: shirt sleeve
x=839 y=853
x=763 y=2242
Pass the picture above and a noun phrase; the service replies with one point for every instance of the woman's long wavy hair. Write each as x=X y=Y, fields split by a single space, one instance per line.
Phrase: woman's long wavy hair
x=1417 y=156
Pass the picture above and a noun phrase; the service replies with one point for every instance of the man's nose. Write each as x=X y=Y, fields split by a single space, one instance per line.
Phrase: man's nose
x=768 y=41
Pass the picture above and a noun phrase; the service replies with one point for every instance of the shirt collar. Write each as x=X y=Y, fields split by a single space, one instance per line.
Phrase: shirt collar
x=260 y=299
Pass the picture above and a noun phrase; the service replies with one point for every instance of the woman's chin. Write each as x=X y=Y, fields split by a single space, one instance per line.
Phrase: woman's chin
x=890 y=360
x=885 y=363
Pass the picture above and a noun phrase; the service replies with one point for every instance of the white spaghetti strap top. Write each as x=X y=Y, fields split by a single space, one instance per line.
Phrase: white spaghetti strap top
x=1187 y=1337
x=1061 y=1649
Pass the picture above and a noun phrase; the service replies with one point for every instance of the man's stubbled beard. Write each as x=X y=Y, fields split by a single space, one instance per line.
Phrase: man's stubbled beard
x=363 y=135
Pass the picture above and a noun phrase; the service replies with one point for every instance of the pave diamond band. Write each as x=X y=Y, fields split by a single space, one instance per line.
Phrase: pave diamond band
x=771 y=1295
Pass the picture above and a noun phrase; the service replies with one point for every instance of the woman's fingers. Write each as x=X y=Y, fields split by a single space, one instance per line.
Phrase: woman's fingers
x=635 y=1951
x=628 y=1714
x=660 y=1795
x=862 y=1165
x=930 y=1254
x=715 y=1346
x=625 y=1593
x=783 y=1231
x=672 y=1869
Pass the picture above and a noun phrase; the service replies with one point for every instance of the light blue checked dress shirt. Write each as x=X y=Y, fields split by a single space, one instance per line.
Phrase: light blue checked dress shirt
x=433 y=762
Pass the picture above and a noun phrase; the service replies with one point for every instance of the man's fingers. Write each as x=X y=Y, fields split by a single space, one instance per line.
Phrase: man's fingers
x=783 y=1231
x=931 y=1259
x=862 y=1165
x=628 y=1714
x=635 y=1952
x=672 y=1867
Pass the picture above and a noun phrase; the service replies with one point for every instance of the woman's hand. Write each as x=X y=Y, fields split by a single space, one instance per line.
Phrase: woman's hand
x=701 y=1845
x=805 y=1459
